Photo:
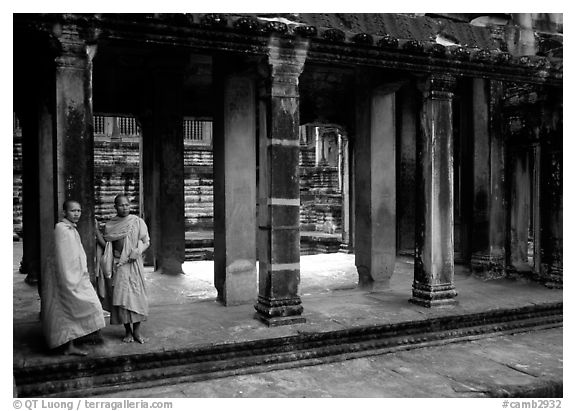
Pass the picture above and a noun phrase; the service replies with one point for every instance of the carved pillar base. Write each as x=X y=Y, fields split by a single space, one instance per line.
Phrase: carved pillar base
x=553 y=274
x=346 y=248
x=367 y=283
x=439 y=295
x=274 y=312
x=488 y=267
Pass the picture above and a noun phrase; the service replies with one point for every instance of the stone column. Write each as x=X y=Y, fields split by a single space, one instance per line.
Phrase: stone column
x=30 y=264
x=536 y=175
x=345 y=187
x=148 y=183
x=434 y=255
x=489 y=212
x=520 y=202
x=408 y=108
x=375 y=190
x=235 y=186
x=74 y=135
x=551 y=201
x=50 y=210
x=279 y=191
x=163 y=155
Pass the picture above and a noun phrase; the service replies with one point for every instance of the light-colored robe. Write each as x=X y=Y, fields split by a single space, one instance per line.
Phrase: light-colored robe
x=127 y=289
x=69 y=305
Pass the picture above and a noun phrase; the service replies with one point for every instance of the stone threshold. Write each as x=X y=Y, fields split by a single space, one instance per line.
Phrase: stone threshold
x=85 y=377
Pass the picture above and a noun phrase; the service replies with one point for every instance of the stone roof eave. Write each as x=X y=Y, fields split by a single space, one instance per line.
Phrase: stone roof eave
x=244 y=35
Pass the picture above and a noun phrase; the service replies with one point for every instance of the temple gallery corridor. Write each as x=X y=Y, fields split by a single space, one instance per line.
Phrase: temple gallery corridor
x=317 y=187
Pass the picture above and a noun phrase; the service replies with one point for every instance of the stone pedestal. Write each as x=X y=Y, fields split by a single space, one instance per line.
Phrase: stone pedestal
x=375 y=190
x=235 y=187
x=163 y=158
x=279 y=191
x=434 y=258
x=74 y=138
x=489 y=213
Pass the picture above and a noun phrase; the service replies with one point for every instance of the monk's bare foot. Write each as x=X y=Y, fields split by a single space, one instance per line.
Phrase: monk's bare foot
x=72 y=350
x=140 y=339
x=128 y=339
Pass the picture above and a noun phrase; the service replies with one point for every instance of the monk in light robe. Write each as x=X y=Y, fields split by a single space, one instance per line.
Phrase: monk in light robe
x=70 y=308
x=126 y=297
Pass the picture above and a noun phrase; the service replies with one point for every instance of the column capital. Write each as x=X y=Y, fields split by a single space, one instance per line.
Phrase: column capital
x=439 y=86
x=74 y=50
x=287 y=59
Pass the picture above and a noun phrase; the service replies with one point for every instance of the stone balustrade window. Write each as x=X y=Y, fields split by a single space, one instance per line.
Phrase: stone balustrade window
x=128 y=126
x=198 y=132
x=98 y=125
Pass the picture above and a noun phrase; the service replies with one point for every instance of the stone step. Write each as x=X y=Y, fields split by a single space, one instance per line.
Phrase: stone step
x=98 y=376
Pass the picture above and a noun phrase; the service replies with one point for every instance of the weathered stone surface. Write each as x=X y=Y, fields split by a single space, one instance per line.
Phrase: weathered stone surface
x=407 y=107
x=235 y=189
x=489 y=212
x=163 y=165
x=74 y=138
x=77 y=378
x=279 y=246
x=375 y=214
x=434 y=256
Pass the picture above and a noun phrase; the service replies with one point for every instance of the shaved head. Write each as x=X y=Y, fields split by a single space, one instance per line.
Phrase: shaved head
x=120 y=197
x=122 y=205
x=68 y=203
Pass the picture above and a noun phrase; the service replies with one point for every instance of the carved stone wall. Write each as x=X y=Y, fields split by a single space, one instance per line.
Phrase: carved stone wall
x=320 y=192
x=116 y=171
x=17 y=187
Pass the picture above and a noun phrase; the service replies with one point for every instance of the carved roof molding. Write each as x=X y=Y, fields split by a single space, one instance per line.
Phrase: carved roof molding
x=389 y=41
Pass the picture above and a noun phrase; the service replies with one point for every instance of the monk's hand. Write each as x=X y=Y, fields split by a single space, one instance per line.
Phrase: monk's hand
x=134 y=254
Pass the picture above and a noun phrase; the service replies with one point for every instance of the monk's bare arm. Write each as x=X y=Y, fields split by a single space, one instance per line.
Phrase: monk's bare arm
x=99 y=237
x=144 y=241
x=143 y=244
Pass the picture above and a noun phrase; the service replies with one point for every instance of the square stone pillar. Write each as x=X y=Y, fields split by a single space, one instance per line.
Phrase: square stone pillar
x=344 y=155
x=50 y=210
x=235 y=186
x=520 y=208
x=279 y=190
x=551 y=189
x=163 y=164
x=434 y=257
x=375 y=190
x=489 y=210
x=30 y=264
x=408 y=107
x=552 y=212
x=74 y=134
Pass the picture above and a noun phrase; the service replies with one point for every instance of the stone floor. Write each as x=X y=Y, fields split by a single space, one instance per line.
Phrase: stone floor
x=184 y=313
x=502 y=365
